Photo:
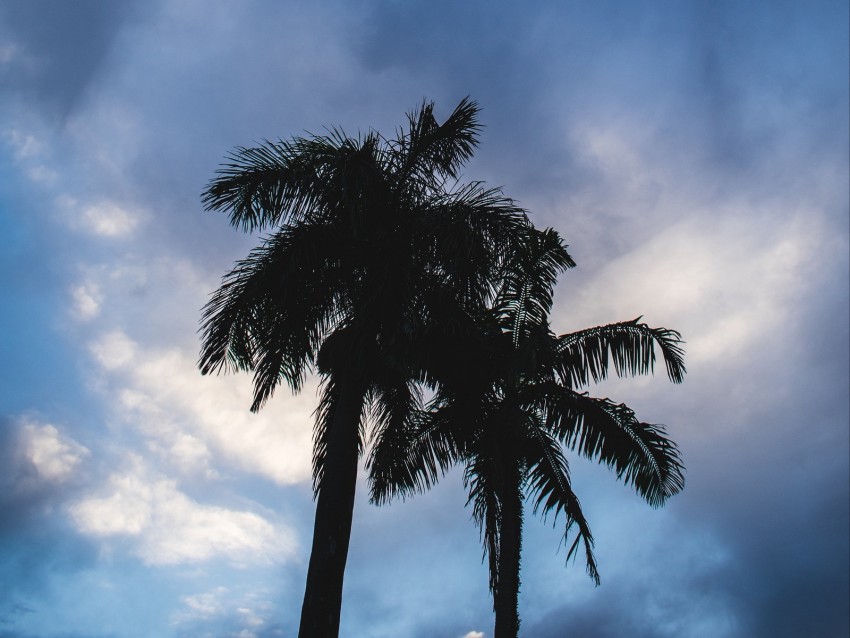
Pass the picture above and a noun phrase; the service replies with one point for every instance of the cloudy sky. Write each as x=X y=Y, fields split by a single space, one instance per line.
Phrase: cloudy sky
x=693 y=154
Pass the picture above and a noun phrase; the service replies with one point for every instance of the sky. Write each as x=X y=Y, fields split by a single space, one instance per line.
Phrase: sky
x=694 y=155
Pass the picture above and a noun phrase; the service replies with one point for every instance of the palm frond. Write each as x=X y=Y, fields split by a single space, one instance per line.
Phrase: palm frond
x=410 y=458
x=585 y=355
x=528 y=281
x=639 y=453
x=551 y=492
x=272 y=183
x=269 y=315
x=428 y=152
x=482 y=478
x=284 y=182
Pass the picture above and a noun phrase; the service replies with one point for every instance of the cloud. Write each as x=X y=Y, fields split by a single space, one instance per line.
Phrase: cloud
x=185 y=414
x=231 y=611
x=86 y=301
x=168 y=527
x=109 y=220
x=106 y=219
x=40 y=465
x=54 y=456
x=55 y=51
x=114 y=350
x=31 y=154
x=147 y=374
x=744 y=279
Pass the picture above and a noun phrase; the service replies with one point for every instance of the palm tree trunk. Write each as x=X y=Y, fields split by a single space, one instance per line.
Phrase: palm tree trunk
x=506 y=596
x=320 y=611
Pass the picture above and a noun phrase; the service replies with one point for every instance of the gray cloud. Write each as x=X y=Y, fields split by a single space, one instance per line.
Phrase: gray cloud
x=56 y=48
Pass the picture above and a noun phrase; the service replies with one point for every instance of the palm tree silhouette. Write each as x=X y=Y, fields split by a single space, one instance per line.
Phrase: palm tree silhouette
x=509 y=399
x=375 y=248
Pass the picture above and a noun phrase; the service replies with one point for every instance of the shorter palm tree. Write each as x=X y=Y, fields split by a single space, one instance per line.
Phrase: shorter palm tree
x=507 y=404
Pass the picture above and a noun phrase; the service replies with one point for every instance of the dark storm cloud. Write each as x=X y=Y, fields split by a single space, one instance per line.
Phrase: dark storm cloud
x=782 y=506
x=756 y=72
x=463 y=49
x=765 y=440
x=58 y=46
x=35 y=544
x=719 y=79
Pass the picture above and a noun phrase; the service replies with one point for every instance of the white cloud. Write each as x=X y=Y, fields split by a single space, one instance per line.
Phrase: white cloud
x=245 y=610
x=86 y=300
x=113 y=350
x=127 y=510
x=188 y=454
x=208 y=603
x=743 y=279
x=200 y=426
x=185 y=414
x=170 y=528
x=474 y=634
x=53 y=454
x=108 y=219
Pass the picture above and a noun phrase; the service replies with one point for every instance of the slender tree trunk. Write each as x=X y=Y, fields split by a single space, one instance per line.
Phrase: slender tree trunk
x=506 y=596
x=334 y=510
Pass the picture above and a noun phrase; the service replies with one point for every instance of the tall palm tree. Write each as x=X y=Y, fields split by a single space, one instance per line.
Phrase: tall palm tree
x=375 y=246
x=509 y=401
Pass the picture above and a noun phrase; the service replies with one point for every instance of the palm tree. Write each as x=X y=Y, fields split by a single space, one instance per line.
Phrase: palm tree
x=508 y=402
x=375 y=246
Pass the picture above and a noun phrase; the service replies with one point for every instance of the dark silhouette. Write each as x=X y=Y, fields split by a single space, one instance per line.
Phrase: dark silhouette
x=375 y=252
x=507 y=402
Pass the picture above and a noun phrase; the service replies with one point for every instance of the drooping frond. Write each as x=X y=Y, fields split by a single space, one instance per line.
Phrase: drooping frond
x=639 y=453
x=482 y=478
x=410 y=459
x=273 y=309
x=585 y=355
x=551 y=492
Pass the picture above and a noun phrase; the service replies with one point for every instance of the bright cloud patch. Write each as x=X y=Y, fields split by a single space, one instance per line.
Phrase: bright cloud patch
x=54 y=455
x=109 y=220
x=246 y=612
x=86 y=300
x=105 y=218
x=185 y=413
x=170 y=528
x=743 y=280
x=113 y=350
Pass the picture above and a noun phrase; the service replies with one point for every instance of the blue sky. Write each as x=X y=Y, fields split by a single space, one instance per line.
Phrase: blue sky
x=693 y=154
